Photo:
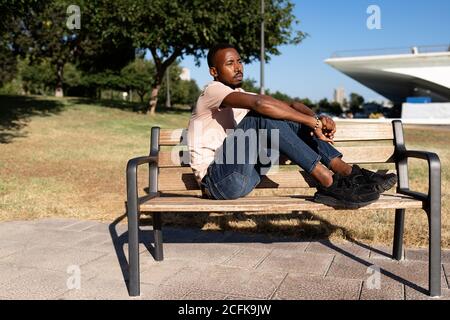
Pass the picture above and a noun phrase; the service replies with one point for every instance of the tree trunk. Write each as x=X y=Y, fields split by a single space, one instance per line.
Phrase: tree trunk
x=161 y=67
x=59 y=80
x=141 y=96
x=154 y=98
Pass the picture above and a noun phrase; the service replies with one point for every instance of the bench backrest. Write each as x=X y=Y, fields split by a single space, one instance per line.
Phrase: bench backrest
x=360 y=143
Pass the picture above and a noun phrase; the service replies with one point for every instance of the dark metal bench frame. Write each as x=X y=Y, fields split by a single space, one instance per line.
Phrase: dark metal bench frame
x=431 y=201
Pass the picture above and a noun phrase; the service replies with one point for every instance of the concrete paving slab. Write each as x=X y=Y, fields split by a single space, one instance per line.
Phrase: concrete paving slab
x=9 y=273
x=264 y=241
x=54 y=223
x=51 y=258
x=105 y=228
x=412 y=294
x=350 y=268
x=293 y=246
x=205 y=295
x=288 y=261
x=83 y=225
x=107 y=267
x=413 y=274
x=17 y=232
x=162 y=292
x=408 y=273
x=35 y=256
x=446 y=268
x=59 y=238
x=309 y=287
x=338 y=248
x=384 y=290
x=248 y=258
x=233 y=297
x=38 y=285
x=200 y=252
x=97 y=289
x=422 y=255
x=382 y=252
x=160 y=272
x=104 y=243
x=8 y=247
x=96 y=242
x=227 y=280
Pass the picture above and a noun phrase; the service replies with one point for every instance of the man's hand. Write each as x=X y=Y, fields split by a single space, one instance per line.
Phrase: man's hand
x=321 y=132
x=328 y=126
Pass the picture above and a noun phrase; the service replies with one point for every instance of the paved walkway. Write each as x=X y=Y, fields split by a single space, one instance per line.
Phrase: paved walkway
x=73 y=259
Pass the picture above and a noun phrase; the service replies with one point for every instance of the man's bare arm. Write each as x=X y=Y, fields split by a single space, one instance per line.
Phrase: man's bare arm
x=273 y=108
x=267 y=106
x=300 y=107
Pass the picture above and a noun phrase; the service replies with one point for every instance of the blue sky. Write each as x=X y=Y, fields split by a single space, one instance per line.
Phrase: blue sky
x=335 y=25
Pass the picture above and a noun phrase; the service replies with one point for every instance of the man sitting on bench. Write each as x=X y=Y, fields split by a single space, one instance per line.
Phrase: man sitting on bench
x=227 y=170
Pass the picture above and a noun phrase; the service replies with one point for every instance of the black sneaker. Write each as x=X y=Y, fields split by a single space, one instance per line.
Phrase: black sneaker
x=379 y=181
x=346 y=193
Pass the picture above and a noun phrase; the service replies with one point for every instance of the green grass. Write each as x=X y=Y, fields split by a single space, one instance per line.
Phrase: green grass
x=67 y=158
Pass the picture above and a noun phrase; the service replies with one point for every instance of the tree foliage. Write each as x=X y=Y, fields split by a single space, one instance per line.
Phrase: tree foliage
x=113 y=32
x=172 y=29
x=356 y=102
x=137 y=76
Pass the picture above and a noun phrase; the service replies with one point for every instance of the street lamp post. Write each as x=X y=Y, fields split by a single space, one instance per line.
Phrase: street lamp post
x=168 y=104
x=262 y=90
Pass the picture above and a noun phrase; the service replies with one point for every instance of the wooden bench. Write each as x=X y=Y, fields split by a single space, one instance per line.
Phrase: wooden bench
x=172 y=188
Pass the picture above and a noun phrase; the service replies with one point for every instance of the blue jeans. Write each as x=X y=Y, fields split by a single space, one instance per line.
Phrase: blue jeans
x=234 y=174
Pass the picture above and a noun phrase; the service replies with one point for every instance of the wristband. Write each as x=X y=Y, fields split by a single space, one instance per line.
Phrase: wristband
x=317 y=123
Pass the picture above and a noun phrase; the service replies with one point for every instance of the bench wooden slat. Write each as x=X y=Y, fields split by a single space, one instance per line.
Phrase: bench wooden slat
x=352 y=154
x=266 y=204
x=179 y=179
x=346 y=131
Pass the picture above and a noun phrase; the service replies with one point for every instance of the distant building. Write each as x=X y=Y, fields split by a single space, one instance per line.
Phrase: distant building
x=339 y=95
x=185 y=74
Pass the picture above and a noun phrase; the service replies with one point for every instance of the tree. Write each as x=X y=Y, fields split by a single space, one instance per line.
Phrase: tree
x=356 y=102
x=280 y=96
x=41 y=33
x=324 y=105
x=336 y=108
x=137 y=75
x=250 y=85
x=9 y=11
x=307 y=102
x=172 y=29
x=37 y=78
x=40 y=78
x=8 y=65
x=45 y=31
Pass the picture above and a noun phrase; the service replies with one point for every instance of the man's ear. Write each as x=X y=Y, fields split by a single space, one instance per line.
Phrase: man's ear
x=213 y=72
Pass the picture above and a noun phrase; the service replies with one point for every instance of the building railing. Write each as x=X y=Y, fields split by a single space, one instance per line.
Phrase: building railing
x=391 y=51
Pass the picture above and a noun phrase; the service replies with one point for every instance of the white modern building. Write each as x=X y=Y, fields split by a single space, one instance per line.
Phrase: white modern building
x=399 y=74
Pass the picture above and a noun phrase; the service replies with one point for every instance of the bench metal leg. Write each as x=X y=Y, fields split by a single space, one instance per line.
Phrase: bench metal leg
x=397 y=252
x=133 y=252
x=434 y=265
x=157 y=233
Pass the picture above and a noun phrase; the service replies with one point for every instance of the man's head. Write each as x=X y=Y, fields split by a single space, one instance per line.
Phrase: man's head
x=225 y=65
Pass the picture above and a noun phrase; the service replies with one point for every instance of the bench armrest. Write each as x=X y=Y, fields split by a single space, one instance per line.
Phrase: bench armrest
x=132 y=187
x=434 y=174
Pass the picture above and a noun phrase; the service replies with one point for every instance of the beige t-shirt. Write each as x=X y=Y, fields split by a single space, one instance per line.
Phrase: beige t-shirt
x=208 y=125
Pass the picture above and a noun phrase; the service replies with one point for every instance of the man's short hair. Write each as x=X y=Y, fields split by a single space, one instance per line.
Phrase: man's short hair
x=213 y=50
